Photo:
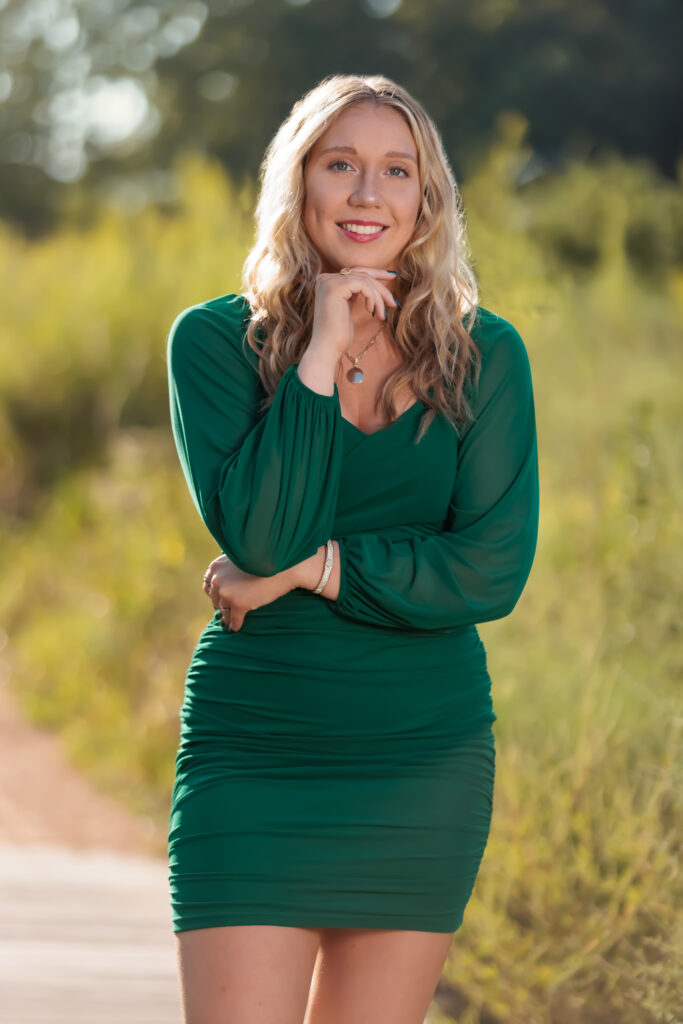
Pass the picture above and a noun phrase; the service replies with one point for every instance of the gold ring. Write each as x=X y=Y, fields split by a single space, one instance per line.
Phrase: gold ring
x=345 y=270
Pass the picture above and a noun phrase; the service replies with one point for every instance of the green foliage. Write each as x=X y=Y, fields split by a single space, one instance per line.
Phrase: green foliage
x=86 y=315
x=573 y=915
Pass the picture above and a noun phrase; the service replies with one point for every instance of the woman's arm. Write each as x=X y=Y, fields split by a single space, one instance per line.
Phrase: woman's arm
x=266 y=487
x=476 y=570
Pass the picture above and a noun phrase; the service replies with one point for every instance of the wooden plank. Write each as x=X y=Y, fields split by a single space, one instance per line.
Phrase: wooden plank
x=85 y=938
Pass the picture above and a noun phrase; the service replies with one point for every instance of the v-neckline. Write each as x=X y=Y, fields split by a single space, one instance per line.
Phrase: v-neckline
x=383 y=430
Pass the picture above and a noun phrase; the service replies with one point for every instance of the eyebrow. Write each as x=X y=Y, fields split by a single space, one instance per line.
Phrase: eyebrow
x=351 y=149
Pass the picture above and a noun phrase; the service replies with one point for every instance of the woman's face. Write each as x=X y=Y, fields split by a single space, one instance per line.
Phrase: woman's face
x=361 y=172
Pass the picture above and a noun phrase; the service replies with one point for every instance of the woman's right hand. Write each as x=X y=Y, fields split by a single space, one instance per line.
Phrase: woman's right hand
x=334 y=296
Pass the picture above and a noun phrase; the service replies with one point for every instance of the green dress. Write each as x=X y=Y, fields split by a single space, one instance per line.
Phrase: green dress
x=336 y=758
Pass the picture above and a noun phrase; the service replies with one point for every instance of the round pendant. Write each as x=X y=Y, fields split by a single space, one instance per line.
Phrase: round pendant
x=355 y=375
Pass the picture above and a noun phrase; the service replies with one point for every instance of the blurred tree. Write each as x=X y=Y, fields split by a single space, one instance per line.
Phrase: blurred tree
x=105 y=92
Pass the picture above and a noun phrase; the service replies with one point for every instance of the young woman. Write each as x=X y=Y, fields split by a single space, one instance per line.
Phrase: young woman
x=358 y=436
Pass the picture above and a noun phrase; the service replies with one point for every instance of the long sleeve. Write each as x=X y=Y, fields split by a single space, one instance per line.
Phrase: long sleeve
x=475 y=570
x=266 y=487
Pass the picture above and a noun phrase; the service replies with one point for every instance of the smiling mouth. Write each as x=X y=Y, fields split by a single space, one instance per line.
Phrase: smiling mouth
x=362 y=231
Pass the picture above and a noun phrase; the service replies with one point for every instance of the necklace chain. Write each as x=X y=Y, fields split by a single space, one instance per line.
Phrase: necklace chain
x=355 y=375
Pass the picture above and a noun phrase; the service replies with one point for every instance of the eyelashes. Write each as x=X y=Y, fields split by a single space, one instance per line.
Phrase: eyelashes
x=394 y=167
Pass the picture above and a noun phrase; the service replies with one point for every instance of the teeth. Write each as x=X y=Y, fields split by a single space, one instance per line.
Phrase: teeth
x=362 y=229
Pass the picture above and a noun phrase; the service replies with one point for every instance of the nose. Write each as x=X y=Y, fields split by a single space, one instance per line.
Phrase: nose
x=366 y=191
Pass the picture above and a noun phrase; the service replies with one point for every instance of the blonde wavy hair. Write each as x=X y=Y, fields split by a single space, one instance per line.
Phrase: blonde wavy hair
x=436 y=285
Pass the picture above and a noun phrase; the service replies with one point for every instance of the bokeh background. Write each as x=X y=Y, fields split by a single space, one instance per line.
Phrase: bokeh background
x=132 y=134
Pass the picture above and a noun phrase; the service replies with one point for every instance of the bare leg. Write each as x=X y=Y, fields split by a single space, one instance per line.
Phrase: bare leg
x=251 y=974
x=367 y=975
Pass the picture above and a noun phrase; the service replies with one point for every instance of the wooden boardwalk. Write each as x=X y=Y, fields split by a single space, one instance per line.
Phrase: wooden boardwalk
x=85 y=938
x=85 y=918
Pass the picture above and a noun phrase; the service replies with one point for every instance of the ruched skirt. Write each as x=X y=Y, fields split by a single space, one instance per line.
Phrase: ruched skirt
x=335 y=836
x=330 y=777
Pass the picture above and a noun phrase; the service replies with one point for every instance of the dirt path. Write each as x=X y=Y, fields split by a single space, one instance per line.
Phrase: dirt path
x=85 y=920
x=43 y=799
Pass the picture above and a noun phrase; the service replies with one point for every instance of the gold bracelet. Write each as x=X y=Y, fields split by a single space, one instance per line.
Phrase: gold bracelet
x=327 y=570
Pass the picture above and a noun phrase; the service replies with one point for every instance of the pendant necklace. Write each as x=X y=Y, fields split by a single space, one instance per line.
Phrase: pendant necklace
x=356 y=375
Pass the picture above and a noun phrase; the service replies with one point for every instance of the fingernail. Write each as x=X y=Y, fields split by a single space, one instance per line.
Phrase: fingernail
x=385 y=315
x=398 y=303
x=392 y=272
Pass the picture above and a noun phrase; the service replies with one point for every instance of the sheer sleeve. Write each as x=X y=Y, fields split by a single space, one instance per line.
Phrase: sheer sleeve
x=477 y=568
x=266 y=487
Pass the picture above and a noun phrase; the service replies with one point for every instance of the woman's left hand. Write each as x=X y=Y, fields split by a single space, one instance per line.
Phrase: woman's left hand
x=235 y=592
